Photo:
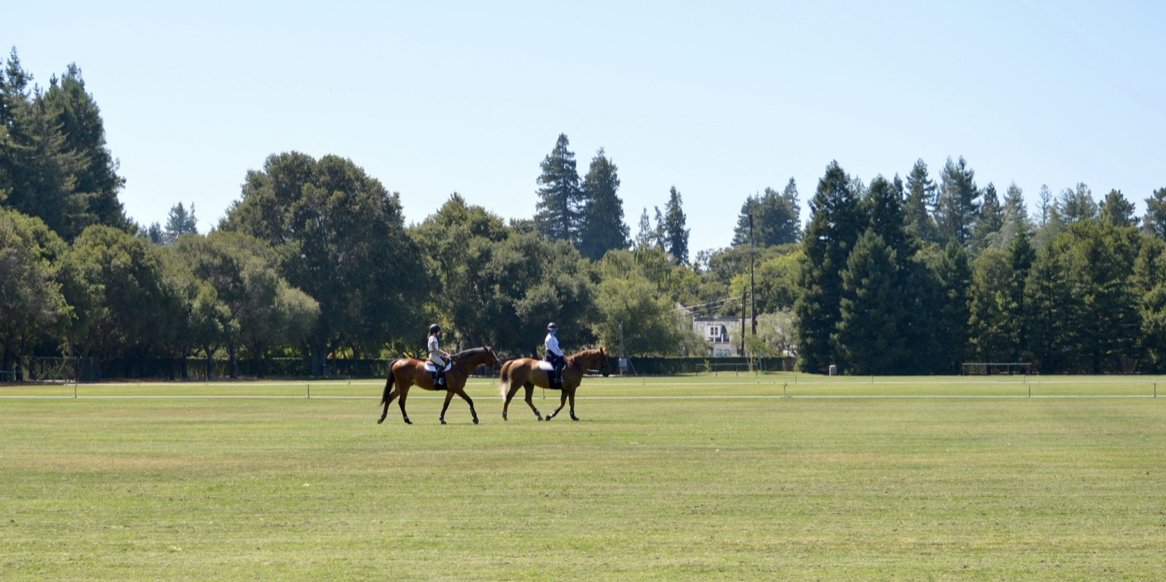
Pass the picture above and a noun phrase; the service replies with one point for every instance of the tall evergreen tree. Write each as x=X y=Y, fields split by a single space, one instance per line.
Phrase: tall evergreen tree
x=883 y=206
x=993 y=309
x=675 y=234
x=179 y=222
x=602 y=227
x=868 y=338
x=776 y=218
x=951 y=326
x=1116 y=211
x=958 y=206
x=646 y=236
x=991 y=220
x=559 y=196
x=835 y=224
x=1155 y=219
x=1076 y=204
x=80 y=120
x=920 y=199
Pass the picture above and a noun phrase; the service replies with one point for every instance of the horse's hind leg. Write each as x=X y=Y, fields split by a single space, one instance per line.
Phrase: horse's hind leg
x=530 y=402
x=388 y=401
x=401 y=403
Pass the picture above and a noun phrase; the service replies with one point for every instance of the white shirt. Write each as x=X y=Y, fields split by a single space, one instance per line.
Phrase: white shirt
x=552 y=345
x=433 y=348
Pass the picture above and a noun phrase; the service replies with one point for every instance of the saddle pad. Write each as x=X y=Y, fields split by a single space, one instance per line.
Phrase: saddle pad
x=546 y=366
x=429 y=367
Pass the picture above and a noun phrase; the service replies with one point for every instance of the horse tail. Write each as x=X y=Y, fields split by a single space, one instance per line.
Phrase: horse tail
x=504 y=387
x=389 y=384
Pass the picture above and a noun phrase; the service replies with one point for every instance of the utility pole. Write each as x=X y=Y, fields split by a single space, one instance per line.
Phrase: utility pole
x=752 y=295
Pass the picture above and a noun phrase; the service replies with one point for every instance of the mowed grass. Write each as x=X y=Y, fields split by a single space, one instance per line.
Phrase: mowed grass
x=690 y=478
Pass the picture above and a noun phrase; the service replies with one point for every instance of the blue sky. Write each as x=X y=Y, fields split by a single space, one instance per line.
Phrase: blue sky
x=720 y=99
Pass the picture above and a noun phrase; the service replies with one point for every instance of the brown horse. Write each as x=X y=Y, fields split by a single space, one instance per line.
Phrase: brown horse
x=408 y=371
x=525 y=372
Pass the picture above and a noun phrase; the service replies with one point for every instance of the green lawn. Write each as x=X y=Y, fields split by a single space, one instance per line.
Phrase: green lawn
x=696 y=478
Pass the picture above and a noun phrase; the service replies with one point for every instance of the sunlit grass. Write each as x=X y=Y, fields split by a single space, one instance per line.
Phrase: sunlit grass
x=705 y=478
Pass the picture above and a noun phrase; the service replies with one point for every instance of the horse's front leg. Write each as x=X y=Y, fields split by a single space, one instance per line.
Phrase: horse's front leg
x=572 y=399
x=562 y=403
x=462 y=392
x=448 y=397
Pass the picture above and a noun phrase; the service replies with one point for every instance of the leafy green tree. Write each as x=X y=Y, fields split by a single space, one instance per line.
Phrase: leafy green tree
x=265 y=312
x=921 y=197
x=559 y=195
x=867 y=338
x=131 y=308
x=342 y=240
x=675 y=234
x=1116 y=211
x=835 y=223
x=776 y=218
x=602 y=227
x=651 y=324
x=31 y=303
x=957 y=206
x=1155 y=219
x=775 y=282
x=461 y=240
x=1100 y=261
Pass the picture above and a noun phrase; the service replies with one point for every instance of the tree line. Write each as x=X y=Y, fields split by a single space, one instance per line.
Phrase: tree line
x=315 y=260
x=920 y=277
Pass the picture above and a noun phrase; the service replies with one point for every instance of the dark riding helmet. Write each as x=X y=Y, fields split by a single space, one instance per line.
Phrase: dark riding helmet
x=552 y=327
x=434 y=328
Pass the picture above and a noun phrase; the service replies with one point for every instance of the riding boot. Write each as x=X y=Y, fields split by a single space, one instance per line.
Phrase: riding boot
x=439 y=380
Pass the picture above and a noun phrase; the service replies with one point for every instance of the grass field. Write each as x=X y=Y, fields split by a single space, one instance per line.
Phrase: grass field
x=692 y=478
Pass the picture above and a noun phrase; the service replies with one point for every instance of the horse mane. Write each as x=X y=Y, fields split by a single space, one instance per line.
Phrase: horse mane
x=468 y=353
x=580 y=354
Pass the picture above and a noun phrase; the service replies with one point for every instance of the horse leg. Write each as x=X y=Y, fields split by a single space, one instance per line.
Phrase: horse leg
x=572 y=399
x=507 y=398
x=562 y=403
x=448 y=397
x=390 y=394
x=462 y=392
x=401 y=403
x=530 y=402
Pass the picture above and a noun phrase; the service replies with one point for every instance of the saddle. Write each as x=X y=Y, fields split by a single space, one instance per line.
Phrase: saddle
x=429 y=367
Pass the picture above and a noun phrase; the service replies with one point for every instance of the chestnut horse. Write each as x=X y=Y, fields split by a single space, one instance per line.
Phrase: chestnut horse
x=525 y=372
x=408 y=371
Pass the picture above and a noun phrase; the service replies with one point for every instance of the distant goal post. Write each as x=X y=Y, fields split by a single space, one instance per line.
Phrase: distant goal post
x=988 y=368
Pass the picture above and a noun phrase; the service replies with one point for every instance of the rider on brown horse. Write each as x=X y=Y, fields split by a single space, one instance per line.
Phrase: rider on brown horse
x=437 y=356
x=554 y=354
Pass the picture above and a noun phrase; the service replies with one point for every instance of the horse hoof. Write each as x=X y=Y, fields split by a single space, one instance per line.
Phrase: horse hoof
x=407 y=421
x=442 y=420
x=380 y=420
x=573 y=417
x=475 y=420
x=504 y=416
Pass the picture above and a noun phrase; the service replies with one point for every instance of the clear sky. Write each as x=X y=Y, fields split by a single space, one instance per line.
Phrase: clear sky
x=720 y=99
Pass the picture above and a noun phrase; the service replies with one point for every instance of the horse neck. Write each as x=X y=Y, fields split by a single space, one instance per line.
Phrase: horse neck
x=476 y=359
x=585 y=358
